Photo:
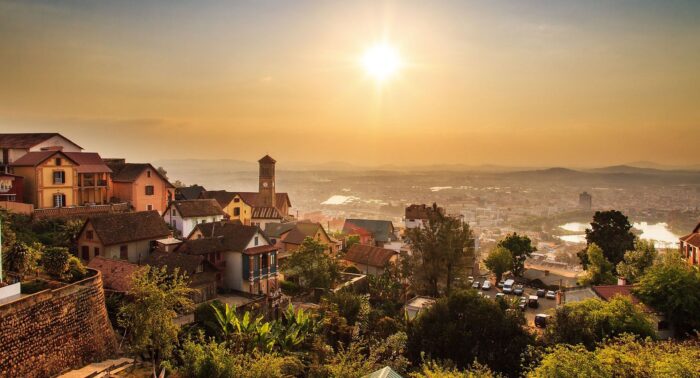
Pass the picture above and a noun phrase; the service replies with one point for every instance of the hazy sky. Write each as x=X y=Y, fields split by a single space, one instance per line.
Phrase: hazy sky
x=498 y=82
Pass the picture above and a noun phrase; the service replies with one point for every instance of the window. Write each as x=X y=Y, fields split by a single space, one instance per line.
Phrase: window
x=149 y=207
x=272 y=259
x=59 y=177
x=148 y=173
x=58 y=161
x=85 y=252
x=236 y=211
x=149 y=190
x=256 y=240
x=124 y=252
x=200 y=268
x=273 y=241
x=97 y=251
x=265 y=261
x=236 y=200
x=174 y=212
x=59 y=200
x=89 y=235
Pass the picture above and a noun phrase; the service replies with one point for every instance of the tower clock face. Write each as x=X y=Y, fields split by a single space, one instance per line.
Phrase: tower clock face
x=265 y=184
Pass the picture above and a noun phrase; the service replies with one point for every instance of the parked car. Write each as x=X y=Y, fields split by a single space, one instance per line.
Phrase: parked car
x=518 y=290
x=487 y=296
x=551 y=295
x=541 y=320
x=470 y=279
x=500 y=295
x=540 y=292
x=523 y=304
x=532 y=301
x=486 y=285
x=476 y=285
x=508 y=286
x=501 y=283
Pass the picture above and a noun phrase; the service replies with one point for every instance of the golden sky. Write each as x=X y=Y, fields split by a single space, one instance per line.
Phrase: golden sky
x=540 y=83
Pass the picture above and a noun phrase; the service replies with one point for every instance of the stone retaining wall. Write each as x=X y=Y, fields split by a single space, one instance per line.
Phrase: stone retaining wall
x=53 y=330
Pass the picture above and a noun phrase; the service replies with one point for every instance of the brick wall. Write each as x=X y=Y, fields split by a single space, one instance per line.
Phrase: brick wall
x=54 y=330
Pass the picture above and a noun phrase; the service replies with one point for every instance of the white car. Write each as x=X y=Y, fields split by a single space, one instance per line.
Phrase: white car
x=486 y=285
x=551 y=295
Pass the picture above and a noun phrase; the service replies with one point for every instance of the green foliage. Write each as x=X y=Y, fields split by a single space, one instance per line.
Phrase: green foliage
x=636 y=262
x=350 y=240
x=591 y=321
x=76 y=270
x=432 y=369
x=622 y=357
x=465 y=327
x=208 y=359
x=611 y=231
x=599 y=270
x=156 y=298
x=311 y=266
x=22 y=258
x=499 y=261
x=56 y=261
x=520 y=247
x=673 y=287
x=290 y=288
x=442 y=251
x=205 y=316
x=353 y=307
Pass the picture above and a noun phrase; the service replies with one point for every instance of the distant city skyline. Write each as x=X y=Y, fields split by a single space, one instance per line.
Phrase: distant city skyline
x=508 y=83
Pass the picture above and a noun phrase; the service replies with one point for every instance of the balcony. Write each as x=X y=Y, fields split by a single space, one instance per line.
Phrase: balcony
x=92 y=183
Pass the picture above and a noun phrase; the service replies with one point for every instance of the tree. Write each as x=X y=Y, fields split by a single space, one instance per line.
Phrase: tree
x=592 y=320
x=162 y=172
x=499 y=261
x=621 y=357
x=520 y=247
x=311 y=266
x=465 y=327
x=55 y=261
x=600 y=270
x=442 y=251
x=157 y=296
x=673 y=287
x=611 y=231
x=636 y=263
x=350 y=240
x=22 y=258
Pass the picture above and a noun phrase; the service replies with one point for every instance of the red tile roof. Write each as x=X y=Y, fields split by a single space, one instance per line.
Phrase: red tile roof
x=129 y=172
x=121 y=228
x=266 y=213
x=260 y=249
x=197 y=208
x=116 y=274
x=32 y=159
x=692 y=239
x=607 y=292
x=27 y=140
x=369 y=255
x=88 y=162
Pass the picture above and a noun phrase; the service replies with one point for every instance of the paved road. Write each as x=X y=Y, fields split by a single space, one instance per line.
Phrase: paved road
x=544 y=304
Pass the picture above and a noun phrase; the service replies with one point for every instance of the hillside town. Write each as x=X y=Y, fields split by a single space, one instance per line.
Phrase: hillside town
x=90 y=244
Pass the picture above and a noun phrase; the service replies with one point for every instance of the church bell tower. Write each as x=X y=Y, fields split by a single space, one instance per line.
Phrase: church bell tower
x=266 y=188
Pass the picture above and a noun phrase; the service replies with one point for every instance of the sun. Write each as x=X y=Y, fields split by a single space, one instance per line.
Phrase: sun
x=381 y=61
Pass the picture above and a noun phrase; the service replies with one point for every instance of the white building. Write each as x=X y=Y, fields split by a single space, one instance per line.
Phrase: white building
x=184 y=215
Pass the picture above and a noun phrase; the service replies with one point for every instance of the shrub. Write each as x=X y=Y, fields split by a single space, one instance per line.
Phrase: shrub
x=290 y=288
x=55 y=261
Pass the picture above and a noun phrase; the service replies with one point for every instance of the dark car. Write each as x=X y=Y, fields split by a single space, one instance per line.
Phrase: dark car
x=540 y=293
x=541 y=320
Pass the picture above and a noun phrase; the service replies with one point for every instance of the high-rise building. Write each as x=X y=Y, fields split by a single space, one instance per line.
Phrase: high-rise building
x=585 y=201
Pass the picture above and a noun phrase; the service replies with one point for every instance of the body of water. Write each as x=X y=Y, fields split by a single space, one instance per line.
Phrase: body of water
x=658 y=232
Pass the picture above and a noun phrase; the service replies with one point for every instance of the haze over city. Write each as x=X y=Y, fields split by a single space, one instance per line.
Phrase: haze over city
x=503 y=82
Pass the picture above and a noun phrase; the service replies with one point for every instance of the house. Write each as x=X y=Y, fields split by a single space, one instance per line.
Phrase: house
x=11 y=187
x=116 y=274
x=126 y=236
x=56 y=178
x=381 y=231
x=189 y=192
x=184 y=215
x=607 y=292
x=290 y=235
x=255 y=208
x=418 y=304
x=690 y=247
x=14 y=146
x=369 y=259
x=243 y=253
x=417 y=216
x=141 y=185
x=201 y=273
